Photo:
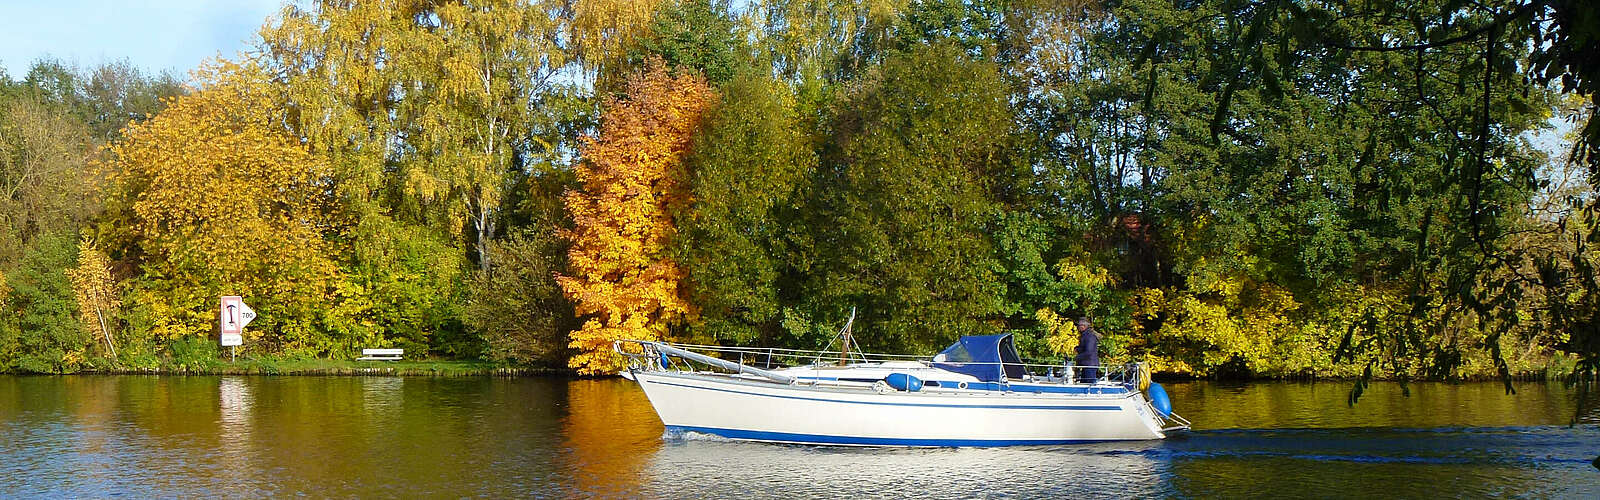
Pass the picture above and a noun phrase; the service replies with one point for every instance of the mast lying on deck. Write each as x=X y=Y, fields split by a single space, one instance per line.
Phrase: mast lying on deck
x=720 y=363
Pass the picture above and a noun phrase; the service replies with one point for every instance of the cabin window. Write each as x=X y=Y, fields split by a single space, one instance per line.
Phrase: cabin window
x=957 y=354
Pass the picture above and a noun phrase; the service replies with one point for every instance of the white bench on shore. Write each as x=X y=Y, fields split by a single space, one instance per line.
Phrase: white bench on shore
x=381 y=354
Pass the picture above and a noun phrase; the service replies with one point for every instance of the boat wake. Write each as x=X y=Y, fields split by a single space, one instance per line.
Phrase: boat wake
x=678 y=435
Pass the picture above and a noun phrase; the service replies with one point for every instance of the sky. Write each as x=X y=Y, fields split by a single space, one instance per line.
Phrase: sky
x=171 y=35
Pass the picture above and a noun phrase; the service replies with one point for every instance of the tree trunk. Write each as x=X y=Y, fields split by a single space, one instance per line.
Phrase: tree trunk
x=105 y=333
x=485 y=231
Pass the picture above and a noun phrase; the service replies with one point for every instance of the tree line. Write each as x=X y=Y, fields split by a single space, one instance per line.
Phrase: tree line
x=1267 y=188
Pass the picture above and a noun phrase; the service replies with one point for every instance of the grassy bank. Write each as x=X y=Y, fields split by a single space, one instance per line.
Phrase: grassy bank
x=422 y=368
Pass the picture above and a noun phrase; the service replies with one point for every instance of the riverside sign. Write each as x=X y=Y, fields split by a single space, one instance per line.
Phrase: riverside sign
x=232 y=316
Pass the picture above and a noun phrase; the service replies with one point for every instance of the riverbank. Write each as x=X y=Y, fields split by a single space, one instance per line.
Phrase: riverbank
x=482 y=368
x=291 y=367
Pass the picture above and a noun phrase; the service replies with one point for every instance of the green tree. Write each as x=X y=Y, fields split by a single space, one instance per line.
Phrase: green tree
x=103 y=98
x=116 y=94
x=907 y=191
x=698 y=34
x=518 y=306
x=38 y=331
x=748 y=164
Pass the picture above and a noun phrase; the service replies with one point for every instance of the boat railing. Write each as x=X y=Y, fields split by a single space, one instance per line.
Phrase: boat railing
x=654 y=355
x=645 y=354
x=1175 y=422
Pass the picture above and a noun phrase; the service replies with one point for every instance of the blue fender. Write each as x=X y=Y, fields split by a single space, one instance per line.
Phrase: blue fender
x=1158 y=399
x=903 y=382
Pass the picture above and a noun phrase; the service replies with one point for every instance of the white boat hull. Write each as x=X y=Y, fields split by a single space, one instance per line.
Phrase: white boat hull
x=762 y=411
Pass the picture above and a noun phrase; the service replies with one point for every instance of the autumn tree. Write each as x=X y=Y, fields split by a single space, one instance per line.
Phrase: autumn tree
x=97 y=294
x=481 y=68
x=603 y=31
x=620 y=276
x=334 y=65
x=343 y=72
x=219 y=199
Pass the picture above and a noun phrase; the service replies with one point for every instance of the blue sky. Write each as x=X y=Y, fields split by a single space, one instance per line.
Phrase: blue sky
x=152 y=35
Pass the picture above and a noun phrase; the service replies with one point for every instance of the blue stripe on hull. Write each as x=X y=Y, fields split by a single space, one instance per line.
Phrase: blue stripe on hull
x=993 y=386
x=785 y=437
x=925 y=405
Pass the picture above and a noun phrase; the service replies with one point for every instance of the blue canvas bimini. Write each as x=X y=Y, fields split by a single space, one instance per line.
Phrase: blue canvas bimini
x=991 y=358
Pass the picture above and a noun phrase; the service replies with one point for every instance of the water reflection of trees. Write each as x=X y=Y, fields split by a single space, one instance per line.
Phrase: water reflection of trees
x=149 y=436
x=611 y=431
x=1214 y=405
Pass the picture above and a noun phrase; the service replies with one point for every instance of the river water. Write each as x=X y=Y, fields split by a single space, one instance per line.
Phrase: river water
x=177 y=436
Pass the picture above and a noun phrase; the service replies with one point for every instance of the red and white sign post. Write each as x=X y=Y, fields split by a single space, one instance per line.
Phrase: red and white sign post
x=232 y=316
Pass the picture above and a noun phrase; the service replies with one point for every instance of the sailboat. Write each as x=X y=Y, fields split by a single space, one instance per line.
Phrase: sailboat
x=977 y=392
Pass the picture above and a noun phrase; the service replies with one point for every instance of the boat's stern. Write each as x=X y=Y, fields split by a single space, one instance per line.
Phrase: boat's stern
x=1158 y=417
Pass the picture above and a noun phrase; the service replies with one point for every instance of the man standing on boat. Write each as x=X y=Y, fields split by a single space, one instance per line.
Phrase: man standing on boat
x=1088 y=351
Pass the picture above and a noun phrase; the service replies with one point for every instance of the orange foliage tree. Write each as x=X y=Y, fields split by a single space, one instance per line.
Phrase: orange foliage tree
x=632 y=177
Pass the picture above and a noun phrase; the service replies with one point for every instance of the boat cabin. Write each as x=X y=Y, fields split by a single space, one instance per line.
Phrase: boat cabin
x=990 y=358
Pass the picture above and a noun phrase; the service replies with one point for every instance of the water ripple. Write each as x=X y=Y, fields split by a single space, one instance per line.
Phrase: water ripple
x=346 y=437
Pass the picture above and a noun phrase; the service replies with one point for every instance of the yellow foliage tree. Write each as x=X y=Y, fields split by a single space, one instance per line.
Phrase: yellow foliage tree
x=476 y=77
x=602 y=31
x=1230 y=317
x=810 y=35
x=223 y=201
x=96 y=291
x=337 y=65
x=632 y=174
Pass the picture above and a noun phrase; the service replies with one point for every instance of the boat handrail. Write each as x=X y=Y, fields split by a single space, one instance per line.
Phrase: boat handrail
x=794 y=352
x=1180 y=422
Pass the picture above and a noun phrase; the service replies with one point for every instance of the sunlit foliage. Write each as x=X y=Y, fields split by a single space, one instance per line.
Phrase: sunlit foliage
x=221 y=201
x=473 y=81
x=602 y=31
x=1227 y=188
x=621 y=277
x=735 y=241
x=97 y=294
